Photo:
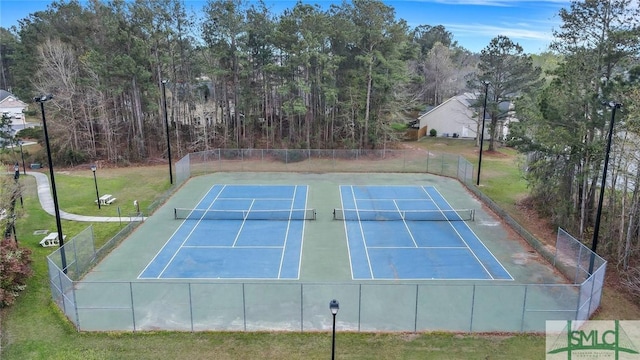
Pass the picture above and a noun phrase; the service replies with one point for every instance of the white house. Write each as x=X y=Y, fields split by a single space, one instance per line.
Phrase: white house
x=454 y=117
x=457 y=117
x=11 y=106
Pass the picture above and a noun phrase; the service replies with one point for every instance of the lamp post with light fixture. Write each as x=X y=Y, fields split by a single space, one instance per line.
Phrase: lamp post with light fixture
x=484 y=114
x=95 y=181
x=334 y=306
x=166 y=125
x=24 y=169
x=42 y=99
x=596 y=228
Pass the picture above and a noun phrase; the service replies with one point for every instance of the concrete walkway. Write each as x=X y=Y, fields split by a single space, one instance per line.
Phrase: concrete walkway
x=46 y=201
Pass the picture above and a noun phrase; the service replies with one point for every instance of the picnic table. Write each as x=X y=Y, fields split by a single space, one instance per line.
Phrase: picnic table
x=51 y=240
x=106 y=199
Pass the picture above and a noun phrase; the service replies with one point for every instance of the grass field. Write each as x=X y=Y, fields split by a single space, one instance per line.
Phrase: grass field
x=34 y=328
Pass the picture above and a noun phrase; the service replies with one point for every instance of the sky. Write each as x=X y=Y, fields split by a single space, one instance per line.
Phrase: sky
x=473 y=23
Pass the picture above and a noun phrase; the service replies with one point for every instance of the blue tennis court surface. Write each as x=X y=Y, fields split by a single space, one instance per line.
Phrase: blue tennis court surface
x=241 y=244
x=409 y=249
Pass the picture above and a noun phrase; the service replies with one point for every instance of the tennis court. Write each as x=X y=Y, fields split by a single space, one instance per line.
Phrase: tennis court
x=412 y=233
x=236 y=232
x=191 y=274
x=257 y=231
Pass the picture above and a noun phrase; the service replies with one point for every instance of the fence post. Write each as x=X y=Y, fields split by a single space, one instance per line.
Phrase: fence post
x=359 y=306
x=190 y=306
x=75 y=305
x=575 y=280
x=333 y=159
x=404 y=160
x=593 y=284
x=524 y=308
x=219 y=159
x=188 y=168
x=555 y=255
x=415 y=319
x=428 y=153
x=244 y=307
x=60 y=275
x=75 y=256
x=133 y=309
x=473 y=305
x=580 y=302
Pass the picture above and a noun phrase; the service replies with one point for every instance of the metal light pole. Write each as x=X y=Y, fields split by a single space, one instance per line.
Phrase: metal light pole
x=166 y=125
x=596 y=229
x=95 y=181
x=334 y=306
x=24 y=169
x=42 y=99
x=484 y=114
x=16 y=176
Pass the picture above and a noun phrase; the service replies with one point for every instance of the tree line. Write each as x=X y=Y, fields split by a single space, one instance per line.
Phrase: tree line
x=565 y=125
x=237 y=75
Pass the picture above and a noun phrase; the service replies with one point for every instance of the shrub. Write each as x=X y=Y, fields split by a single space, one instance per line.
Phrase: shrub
x=35 y=133
x=433 y=132
x=73 y=157
x=15 y=269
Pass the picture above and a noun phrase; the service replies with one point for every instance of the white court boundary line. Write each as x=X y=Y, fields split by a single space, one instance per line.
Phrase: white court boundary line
x=188 y=235
x=174 y=233
x=457 y=232
x=364 y=239
x=286 y=235
x=438 y=208
x=234 y=245
x=474 y=234
x=415 y=244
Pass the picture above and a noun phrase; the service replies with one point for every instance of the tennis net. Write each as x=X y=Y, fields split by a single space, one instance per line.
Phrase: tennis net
x=406 y=215
x=206 y=214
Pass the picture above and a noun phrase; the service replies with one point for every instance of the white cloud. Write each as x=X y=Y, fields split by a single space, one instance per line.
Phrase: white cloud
x=504 y=3
x=513 y=33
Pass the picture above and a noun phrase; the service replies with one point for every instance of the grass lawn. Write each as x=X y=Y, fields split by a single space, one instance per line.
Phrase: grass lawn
x=34 y=328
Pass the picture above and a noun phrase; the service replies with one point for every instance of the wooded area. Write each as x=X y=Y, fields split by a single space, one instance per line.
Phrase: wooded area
x=239 y=76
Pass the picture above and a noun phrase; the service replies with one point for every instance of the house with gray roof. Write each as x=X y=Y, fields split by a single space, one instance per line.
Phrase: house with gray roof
x=11 y=106
x=459 y=116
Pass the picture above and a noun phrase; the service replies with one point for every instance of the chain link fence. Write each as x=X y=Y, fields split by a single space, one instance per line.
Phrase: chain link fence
x=403 y=161
x=294 y=306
